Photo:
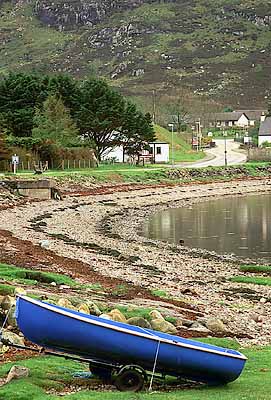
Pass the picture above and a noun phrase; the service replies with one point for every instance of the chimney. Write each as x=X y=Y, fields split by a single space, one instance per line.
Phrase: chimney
x=262 y=117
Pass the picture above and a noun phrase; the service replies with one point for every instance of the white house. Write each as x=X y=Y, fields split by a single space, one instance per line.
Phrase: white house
x=229 y=119
x=253 y=116
x=238 y=118
x=264 y=131
x=158 y=153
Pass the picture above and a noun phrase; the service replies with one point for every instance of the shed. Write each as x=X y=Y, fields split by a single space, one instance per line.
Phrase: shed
x=158 y=153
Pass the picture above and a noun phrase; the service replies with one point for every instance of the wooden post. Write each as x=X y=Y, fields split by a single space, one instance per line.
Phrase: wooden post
x=28 y=165
x=68 y=166
x=84 y=163
x=73 y=164
x=79 y=164
x=89 y=163
x=63 y=164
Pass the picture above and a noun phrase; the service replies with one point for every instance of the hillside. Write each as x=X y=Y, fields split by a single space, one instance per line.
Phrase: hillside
x=219 y=49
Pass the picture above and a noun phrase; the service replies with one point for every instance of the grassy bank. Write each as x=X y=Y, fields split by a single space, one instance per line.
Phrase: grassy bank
x=155 y=174
x=51 y=377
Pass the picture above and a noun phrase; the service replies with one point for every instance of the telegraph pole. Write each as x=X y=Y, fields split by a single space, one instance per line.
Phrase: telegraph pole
x=154 y=106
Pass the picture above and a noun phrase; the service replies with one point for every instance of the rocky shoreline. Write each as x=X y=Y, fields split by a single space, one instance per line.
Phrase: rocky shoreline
x=101 y=231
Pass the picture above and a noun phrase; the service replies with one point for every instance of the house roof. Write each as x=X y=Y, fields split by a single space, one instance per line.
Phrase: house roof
x=265 y=127
x=158 y=143
x=226 y=116
x=252 y=114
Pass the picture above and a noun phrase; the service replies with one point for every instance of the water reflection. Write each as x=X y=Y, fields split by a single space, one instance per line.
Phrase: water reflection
x=238 y=225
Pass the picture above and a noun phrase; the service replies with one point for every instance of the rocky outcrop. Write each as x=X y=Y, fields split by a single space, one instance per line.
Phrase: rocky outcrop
x=17 y=372
x=117 y=315
x=11 y=338
x=139 y=321
x=69 y=14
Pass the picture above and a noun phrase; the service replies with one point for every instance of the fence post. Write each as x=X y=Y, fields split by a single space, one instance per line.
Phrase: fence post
x=62 y=164
x=68 y=164
x=73 y=164
x=79 y=164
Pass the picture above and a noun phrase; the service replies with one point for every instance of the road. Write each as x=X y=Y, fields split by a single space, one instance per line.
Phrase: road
x=216 y=155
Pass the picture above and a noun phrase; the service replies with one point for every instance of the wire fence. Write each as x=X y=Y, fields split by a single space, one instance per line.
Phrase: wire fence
x=37 y=165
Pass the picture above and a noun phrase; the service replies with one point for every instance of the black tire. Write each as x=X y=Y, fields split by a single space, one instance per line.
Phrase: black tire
x=129 y=380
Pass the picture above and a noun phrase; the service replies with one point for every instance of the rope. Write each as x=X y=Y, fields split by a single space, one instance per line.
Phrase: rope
x=154 y=365
x=5 y=321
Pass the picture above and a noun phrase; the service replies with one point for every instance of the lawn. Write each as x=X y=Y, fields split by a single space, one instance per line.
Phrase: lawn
x=51 y=375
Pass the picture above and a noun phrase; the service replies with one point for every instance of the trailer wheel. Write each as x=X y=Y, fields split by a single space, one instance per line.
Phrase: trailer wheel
x=129 y=380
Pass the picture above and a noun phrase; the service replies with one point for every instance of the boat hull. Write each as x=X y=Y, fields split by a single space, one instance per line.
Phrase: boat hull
x=68 y=331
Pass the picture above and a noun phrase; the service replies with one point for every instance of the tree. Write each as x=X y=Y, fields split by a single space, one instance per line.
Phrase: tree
x=20 y=94
x=101 y=114
x=66 y=88
x=227 y=109
x=178 y=112
x=54 y=123
x=108 y=120
x=5 y=153
x=137 y=130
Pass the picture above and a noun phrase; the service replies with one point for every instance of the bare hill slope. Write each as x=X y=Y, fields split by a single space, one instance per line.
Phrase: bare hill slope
x=217 y=48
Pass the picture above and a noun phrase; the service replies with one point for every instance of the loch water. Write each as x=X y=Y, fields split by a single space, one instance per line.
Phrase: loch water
x=235 y=225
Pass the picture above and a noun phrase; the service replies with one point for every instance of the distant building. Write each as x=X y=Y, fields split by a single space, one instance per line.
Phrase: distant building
x=238 y=118
x=264 y=131
x=253 y=116
x=158 y=153
x=229 y=119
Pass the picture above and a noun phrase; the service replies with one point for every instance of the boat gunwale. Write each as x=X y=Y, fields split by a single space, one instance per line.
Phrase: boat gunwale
x=128 y=331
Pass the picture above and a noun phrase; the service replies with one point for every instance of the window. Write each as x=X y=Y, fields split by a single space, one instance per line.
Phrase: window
x=158 y=150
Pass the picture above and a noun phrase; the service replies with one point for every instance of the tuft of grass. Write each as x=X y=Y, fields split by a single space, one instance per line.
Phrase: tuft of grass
x=120 y=290
x=252 y=280
x=135 y=312
x=30 y=277
x=159 y=293
x=172 y=320
x=256 y=268
x=6 y=289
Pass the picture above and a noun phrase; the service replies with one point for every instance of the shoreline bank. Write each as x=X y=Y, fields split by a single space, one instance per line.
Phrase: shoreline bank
x=101 y=231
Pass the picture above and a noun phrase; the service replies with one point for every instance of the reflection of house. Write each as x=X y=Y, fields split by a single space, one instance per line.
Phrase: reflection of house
x=264 y=131
x=239 y=118
x=158 y=153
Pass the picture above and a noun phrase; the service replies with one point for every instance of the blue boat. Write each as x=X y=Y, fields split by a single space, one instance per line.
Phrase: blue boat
x=114 y=343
